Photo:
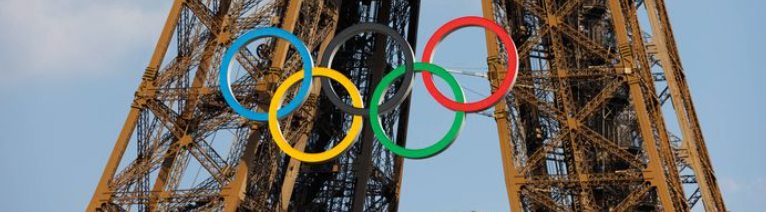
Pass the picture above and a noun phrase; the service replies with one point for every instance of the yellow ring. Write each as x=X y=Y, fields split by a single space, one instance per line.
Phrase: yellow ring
x=351 y=136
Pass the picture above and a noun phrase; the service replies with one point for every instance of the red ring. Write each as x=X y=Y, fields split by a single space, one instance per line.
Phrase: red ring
x=505 y=86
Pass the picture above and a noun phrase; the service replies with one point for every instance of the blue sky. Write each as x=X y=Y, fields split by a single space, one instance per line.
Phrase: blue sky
x=68 y=70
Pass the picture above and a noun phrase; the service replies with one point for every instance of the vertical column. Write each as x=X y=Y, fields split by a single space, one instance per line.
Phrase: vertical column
x=293 y=167
x=170 y=157
x=501 y=114
x=401 y=137
x=234 y=193
x=377 y=70
x=692 y=138
x=654 y=172
x=101 y=194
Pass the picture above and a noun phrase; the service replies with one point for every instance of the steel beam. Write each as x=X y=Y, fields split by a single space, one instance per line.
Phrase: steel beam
x=101 y=194
x=683 y=106
x=509 y=168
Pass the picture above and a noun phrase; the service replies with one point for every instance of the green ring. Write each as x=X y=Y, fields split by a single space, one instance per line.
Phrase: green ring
x=434 y=149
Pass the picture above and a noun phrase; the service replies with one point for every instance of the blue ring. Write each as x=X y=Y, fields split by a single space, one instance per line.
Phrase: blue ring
x=245 y=39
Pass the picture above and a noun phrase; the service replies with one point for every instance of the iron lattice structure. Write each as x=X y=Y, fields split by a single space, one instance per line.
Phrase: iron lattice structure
x=583 y=129
x=179 y=124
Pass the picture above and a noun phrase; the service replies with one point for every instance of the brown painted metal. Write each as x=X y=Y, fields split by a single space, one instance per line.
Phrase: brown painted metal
x=178 y=113
x=692 y=141
x=509 y=167
x=101 y=194
x=293 y=166
x=583 y=129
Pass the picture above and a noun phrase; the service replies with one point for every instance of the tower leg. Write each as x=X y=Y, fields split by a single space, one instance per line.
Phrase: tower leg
x=101 y=194
x=503 y=129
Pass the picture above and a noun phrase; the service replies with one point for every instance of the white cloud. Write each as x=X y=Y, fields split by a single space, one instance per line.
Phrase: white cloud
x=66 y=39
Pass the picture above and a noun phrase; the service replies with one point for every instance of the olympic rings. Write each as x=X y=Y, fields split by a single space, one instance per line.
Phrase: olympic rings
x=505 y=85
x=409 y=61
x=378 y=107
x=300 y=97
x=439 y=146
x=351 y=136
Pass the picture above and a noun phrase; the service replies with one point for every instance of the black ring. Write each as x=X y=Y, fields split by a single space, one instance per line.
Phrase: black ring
x=409 y=62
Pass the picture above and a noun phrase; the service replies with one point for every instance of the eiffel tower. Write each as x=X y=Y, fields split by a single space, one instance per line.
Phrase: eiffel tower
x=583 y=129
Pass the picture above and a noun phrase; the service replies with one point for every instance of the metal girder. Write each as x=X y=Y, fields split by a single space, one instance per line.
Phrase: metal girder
x=210 y=159
x=544 y=200
x=597 y=139
x=634 y=197
x=597 y=101
x=590 y=179
x=188 y=108
x=203 y=13
x=530 y=6
x=246 y=59
x=101 y=195
x=532 y=42
x=593 y=161
x=543 y=106
x=573 y=73
x=294 y=166
x=662 y=37
x=584 y=41
x=541 y=153
x=586 y=105
x=501 y=112
x=567 y=8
